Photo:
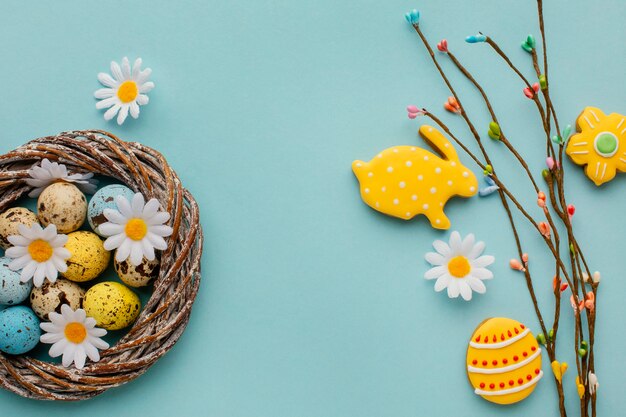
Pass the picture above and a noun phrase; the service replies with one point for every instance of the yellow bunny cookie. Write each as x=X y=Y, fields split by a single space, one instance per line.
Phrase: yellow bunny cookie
x=405 y=181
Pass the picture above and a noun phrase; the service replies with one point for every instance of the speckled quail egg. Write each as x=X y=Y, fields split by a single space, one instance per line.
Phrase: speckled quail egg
x=89 y=258
x=113 y=305
x=137 y=276
x=103 y=199
x=11 y=219
x=63 y=205
x=12 y=290
x=51 y=296
x=19 y=330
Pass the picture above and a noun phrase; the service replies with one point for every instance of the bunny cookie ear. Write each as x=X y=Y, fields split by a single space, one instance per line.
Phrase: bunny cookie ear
x=438 y=142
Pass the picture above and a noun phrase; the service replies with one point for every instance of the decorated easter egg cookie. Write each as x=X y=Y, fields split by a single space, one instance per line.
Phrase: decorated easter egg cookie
x=600 y=144
x=405 y=181
x=503 y=361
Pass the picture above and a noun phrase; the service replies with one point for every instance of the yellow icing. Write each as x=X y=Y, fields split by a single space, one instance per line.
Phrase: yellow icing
x=405 y=181
x=500 y=328
x=600 y=145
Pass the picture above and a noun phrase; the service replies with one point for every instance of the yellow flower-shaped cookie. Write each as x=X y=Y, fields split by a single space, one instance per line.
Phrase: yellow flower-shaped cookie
x=600 y=145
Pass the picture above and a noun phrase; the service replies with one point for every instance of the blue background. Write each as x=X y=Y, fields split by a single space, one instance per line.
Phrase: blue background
x=312 y=304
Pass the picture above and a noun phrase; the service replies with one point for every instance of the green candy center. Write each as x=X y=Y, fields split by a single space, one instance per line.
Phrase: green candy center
x=606 y=144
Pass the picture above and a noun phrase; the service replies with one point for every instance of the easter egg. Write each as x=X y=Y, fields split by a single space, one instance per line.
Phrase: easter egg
x=51 y=296
x=11 y=219
x=137 y=276
x=63 y=205
x=19 y=330
x=12 y=290
x=89 y=258
x=103 y=199
x=113 y=305
x=503 y=361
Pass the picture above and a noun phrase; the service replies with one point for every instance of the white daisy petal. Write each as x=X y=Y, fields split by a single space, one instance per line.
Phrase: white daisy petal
x=123 y=252
x=48 y=327
x=435 y=258
x=143 y=76
x=16 y=252
x=483 y=261
x=111 y=229
x=109 y=114
x=134 y=109
x=162 y=230
x=80 y=357
x=58 y=348
x=157 y=241
x=465 y=290
x=68 y=355
x=18 y=240
x=442 y=282
x=96 y=332
x=125 y=68
x=455 y=243
x=98 y=343
x=476 y=251
x=151 y=208
x=146 y=87
x=50 y=338
x=121 y=116
x=453 y=288
x=107 y=102
x=124 y=207
x=107 y=80
x=20 y=262
x=142 y=99
x=114 y=216
x=137 y=205
x=436 y=272
x=136 y=68
x=103 y=93
x=92 y=352
x=468 y=244
x=476 y=285
x=159 y=218
x=116 y=71
x=113 y=242
x=482 y=273
x=148 y=250
x=136 y=253
x=442 y=247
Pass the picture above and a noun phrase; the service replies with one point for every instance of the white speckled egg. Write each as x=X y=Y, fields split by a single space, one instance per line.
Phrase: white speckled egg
x=63 y=205
x=89 y=258
x=11 y=219
x=19 y=330
x=137 y=276
x=12 y=290
x=113 y=305
x=104 y=198
x=51 y=296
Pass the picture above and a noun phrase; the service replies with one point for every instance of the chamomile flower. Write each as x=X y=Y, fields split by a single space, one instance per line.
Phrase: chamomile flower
x=135 y=229
x=49 y=172
x=73 y=335
x=39 y=253
x=459 y=266
x=125 y=91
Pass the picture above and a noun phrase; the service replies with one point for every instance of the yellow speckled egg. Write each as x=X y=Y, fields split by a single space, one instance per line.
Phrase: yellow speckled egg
x=113 y=305
x=51 y=296
x=63 y=205
x=503 y=361
x=11 y=219
x=137 y=276
x=89 y=258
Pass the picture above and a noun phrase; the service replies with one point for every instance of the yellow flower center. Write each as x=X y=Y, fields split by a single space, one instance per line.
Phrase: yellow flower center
x=75 y=332
x=136 y=229
x=128 y=91
x=459 y=266
x=40 y=250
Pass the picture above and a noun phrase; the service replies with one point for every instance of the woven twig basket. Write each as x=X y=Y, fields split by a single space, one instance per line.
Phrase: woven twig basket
x=165 y=316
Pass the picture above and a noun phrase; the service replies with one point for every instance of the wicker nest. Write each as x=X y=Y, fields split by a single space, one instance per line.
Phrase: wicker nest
x=165 y=316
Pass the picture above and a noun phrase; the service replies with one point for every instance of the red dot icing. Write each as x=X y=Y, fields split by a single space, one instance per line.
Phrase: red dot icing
x=478 y=338
x=495 y=339
x=509 y=333
x=529 y=377
x=520 y=381
x=525 y=354
x=484 y=363
x=482 y=385
x=515 y=358
x=492 y=386
x=505 y=361
x=502 y=336
x=522 y=326
x=494 y=362
x=486 y=339
x=474 y=362
x=516 y=331
x=511 y=382
x=536 y=371
x=501 y=384
x=533 y=348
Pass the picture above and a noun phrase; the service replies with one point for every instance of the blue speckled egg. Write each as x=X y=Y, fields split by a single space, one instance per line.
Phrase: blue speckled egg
x=19 y=330
x=12 y=290
x=104 y=198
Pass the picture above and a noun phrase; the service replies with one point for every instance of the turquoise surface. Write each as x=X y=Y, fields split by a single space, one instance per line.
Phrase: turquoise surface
x=313 y=304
